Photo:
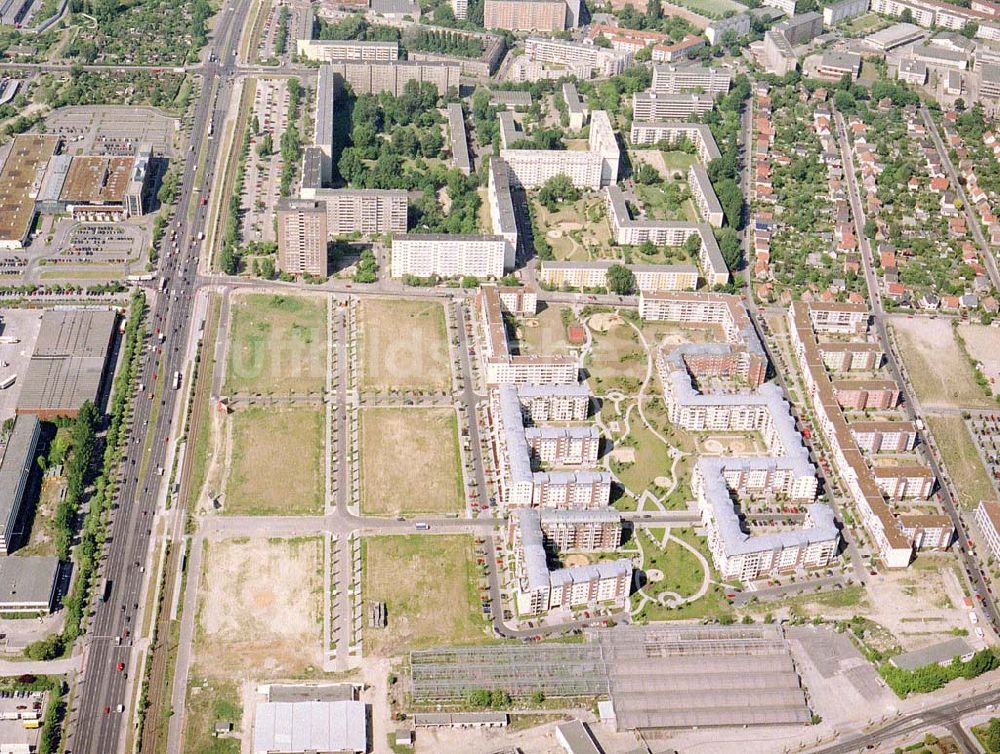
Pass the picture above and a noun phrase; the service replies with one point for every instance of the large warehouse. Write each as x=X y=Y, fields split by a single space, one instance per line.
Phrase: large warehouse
x=28 y=584
x=300 y=727
x=69 y=363
x=15 y=470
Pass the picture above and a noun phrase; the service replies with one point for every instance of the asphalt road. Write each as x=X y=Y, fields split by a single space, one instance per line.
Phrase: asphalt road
x=975 y=577
x=96 y=727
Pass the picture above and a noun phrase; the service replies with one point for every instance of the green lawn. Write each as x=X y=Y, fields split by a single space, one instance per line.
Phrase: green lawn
x=675 y=160
x=682 y=572
x=961 y=460
x=652 y=458
x=277 y=344
x=208 y=702
x=617 y=360
x=276 y=466
x=429 y=584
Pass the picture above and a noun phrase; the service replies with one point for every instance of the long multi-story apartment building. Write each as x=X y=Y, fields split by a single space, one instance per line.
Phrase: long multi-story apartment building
x=393 y=76
x=707 y=309
x=852 y=357
x=554 y=403
x=884 y=436
x=650 y=106
x=895 y=535
x=15 y=472
x=539 y=589
x=988 y=519
x=864 y=395
x=704 y=195
x=500 y=366
x=459 y=140
x=531 y=15
x=843 y=10
x=738 y=24
x=502 y=216
x=588 y=275
x=327 y=89
x=779 y=57
x=564 y=446
x=629 y=232
x=844 y=319
x=302 y=237
x=571 y=531
x=328 y=50
x=599 y=61
x=671 y=132
x=678 y=79
x=428 y=254
x=909 y=481
x=369 y=212
x=591 y=169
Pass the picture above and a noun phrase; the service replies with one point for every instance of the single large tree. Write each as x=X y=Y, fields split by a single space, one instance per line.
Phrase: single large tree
x=621 y=280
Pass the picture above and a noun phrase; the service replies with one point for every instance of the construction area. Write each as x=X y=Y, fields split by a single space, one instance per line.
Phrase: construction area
x=657 y=677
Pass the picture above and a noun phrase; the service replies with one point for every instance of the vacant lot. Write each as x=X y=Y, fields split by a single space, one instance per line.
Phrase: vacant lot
x=207 y=702
x=404 y=345
x=410 y=461
x=936 y=366
x=277 y=344
x=983 y=344
x=259 y=609
x=961 y=461
x=429 y=585
x=276 y=462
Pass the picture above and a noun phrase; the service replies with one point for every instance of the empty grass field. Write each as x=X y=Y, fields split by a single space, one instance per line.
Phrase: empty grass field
x=682 y=571
x=961 y=460
x=277 y=344
x=937 y=368
x=276 y=462
x=617 y=359
x=652 y=458
x=404 y=345
x=545 y=333
x=429 y=587
x=260 y=609
x=207 y=702
x=410 y=461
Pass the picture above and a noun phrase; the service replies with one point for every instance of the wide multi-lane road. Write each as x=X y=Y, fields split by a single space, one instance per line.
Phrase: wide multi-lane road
x=96 y=725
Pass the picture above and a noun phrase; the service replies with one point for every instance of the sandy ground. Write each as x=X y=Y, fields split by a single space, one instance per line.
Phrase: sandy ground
x=404 y=345
x=652 y=157
x=604 y=322
x=263 y=621
x=935 y=364
x=984 y=346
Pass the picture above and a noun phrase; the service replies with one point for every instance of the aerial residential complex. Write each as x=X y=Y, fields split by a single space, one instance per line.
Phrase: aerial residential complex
x=531 y=15
x=328 y=50
x=302 y=237
x=758 y=407
x=650 y=106
x=591 y=169
x=392 y=76
x=501 y=205
x=676 y=79
x=670 y=132
x=584 y=59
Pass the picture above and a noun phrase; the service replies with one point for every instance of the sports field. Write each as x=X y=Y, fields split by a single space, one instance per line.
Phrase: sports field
x=410 y=461
x=429 y=586
x=277 y=344
x=275 y=466
x=404 y=345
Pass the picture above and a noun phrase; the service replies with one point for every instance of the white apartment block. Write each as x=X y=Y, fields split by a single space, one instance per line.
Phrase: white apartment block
x=629 y=232
x=884 y=436
x=785 y=6
x=460 y=8
x=678 y=79
x=540 y=590
x=554 y=403
x=591 y=169
x=704 y=195
x=650 y=106
x=600 y=60
x=327 y=50
x=369 y=212
x=576 y=108
x=846 y=319
x=850 y=357
x=843 y=10
x=501 y=367
x=988 y=519
x=648 y=277
x=739 y=25
x=904 y=482
x=326 y=92
x=672 y=132
x=446 y=255
x=502 y=218
x=564 y=446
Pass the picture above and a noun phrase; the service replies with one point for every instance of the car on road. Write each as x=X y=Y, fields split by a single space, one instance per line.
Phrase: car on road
x=120 y=667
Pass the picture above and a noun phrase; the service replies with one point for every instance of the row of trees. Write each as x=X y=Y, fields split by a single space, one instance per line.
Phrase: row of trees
x=79 y=467
x=932 y=677
x=444 y=42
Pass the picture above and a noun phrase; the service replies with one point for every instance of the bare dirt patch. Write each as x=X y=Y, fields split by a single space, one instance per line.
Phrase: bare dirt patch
x=404 y=345
x=400 y=446
x=983 y=343
x=936 y=366
x=259 y=609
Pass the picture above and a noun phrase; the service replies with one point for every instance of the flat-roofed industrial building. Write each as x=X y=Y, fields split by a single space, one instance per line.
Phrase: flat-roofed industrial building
x=15 y=471
x=28 y=584
x=69 y=363
x=310 y=726
x=20 y=180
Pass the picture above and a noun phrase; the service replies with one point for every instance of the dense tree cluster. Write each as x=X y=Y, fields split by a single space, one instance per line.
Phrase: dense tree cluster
x=557 y=189
x=444 y=42
x=932 y=677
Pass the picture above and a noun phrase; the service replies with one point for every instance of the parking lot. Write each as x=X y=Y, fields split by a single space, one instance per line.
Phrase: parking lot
x=17 y=709
x=22 y=324
x=261 y=189
x=103 y=243
x=112 y=130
